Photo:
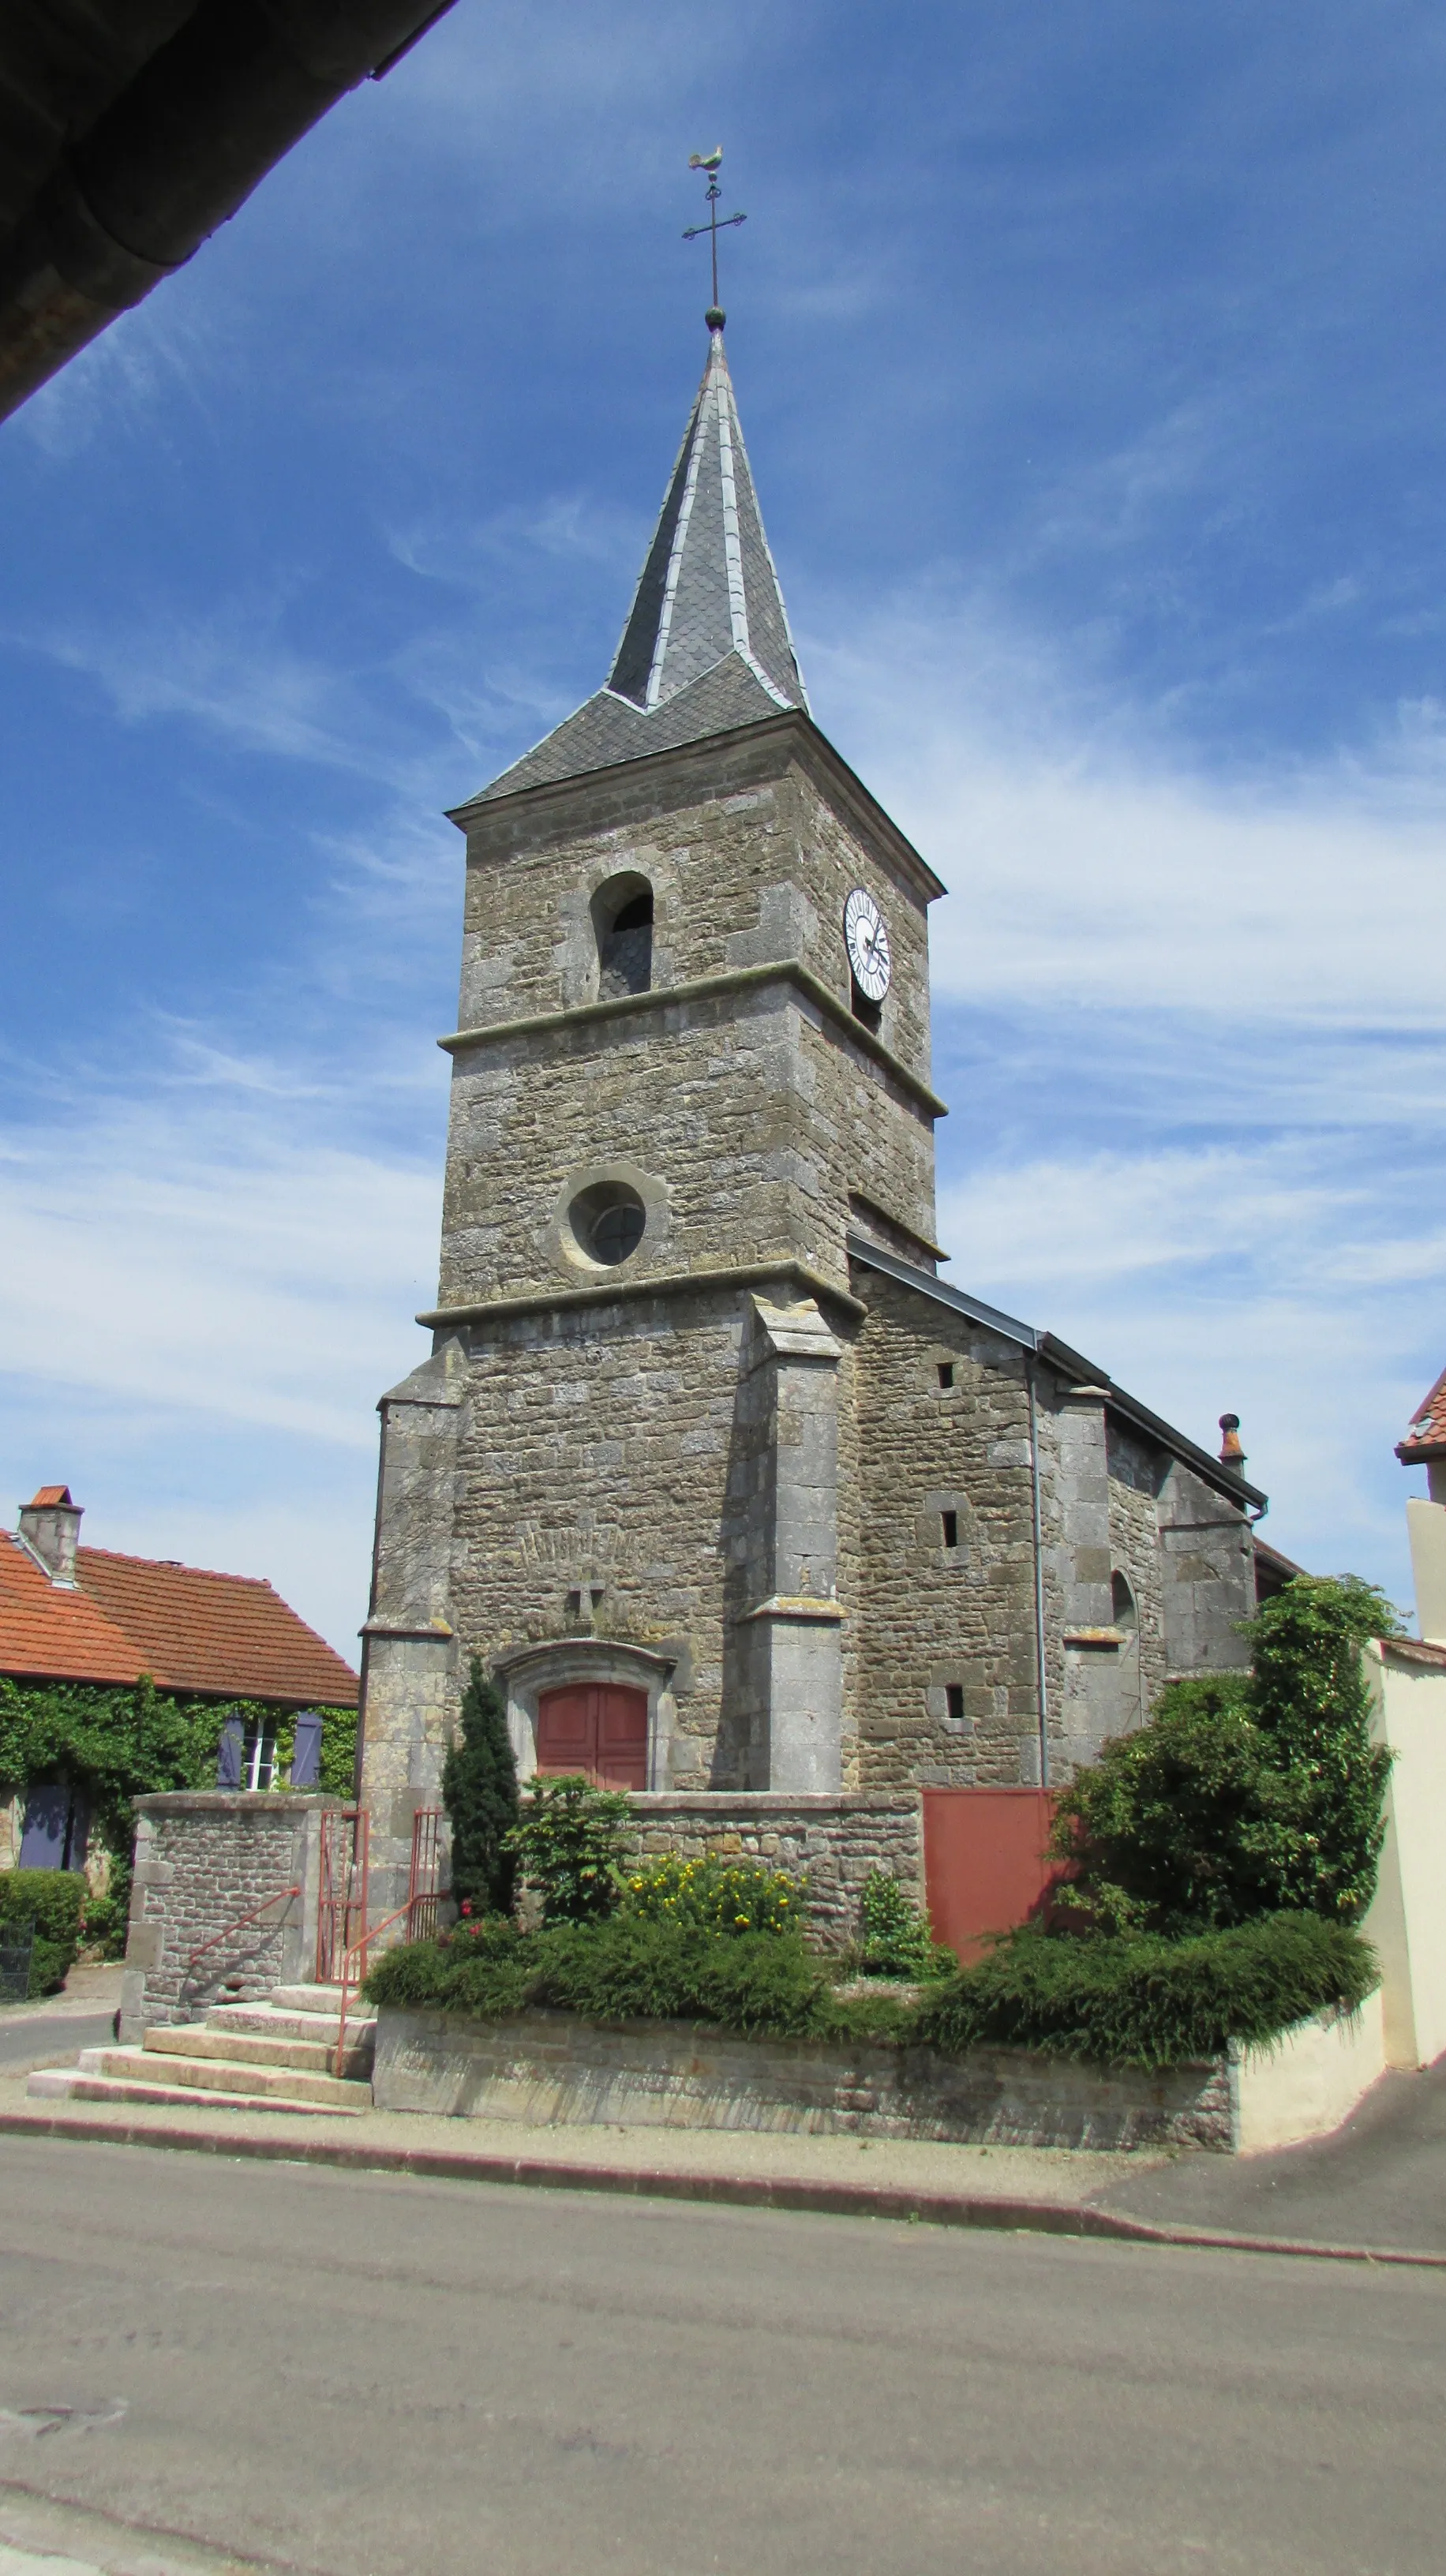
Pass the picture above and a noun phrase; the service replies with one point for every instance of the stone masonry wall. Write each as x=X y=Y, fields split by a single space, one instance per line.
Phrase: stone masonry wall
x=745 y=1118
x=838 y=1841
x=751 y=851
x=204 y=1858
x=1137 y=1471
x=1208 y=1571
x=597 y=1454
x=923 y=1615
x=549 y=2067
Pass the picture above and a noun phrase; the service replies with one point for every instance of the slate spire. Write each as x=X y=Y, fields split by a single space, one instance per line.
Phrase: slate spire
x=706 y=647
x=708 y=586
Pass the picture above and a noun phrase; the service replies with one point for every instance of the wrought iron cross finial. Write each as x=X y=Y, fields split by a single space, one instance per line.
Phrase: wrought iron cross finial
x=709 y=161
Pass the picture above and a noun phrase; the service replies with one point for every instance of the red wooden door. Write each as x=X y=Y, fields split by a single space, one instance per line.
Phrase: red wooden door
x=598 y=1728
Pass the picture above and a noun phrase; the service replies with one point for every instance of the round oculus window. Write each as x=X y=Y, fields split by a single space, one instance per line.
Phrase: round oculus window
x=608 y=1222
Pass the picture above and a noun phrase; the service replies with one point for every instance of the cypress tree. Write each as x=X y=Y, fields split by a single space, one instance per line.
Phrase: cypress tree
x=479 y=1792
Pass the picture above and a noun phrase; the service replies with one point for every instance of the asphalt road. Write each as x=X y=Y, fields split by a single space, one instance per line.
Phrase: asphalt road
x=1381 y=2180
x=368 y=2373
x=29 y=2038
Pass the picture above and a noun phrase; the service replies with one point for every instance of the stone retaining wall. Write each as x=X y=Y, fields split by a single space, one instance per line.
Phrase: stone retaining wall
x=204 y=1858
x=837 y=1840
x=546 y=2066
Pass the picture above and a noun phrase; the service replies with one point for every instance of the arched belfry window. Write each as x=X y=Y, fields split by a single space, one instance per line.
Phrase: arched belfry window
x=622 y=913
x=1122 y=1603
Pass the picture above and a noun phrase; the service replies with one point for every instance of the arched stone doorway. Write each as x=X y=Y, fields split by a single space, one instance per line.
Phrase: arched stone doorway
x=591 y=1704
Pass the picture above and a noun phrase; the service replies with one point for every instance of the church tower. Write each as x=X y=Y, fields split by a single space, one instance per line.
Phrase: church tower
x=733 y=1493
x=692 y=1056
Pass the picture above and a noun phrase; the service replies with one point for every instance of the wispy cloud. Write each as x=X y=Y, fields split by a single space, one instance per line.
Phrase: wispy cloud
x=1091 y=860
x=203 y=1272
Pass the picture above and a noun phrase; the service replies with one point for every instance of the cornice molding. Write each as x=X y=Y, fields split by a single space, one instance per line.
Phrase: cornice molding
x=737 y=979
x=672 y=1283
x=806 y=738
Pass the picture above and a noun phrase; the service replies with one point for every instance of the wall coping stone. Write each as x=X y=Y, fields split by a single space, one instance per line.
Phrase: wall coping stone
x=234 y=1802
x=774 y=1802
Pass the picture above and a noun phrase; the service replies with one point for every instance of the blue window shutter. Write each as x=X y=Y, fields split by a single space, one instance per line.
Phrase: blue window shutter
x=306 y=1760
x=228 y=1756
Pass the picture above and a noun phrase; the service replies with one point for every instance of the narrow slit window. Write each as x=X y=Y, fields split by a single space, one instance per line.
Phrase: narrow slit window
x=951 y=1528
x=954 y=1702
x=946 y=1372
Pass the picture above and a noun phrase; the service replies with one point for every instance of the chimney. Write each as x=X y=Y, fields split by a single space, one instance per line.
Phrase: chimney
x=1231 y=1453
x=50 y=1527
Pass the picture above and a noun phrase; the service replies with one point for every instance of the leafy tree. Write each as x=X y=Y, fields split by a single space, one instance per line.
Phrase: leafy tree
x=1246 y=1794
x=1309 y=1698
x=479 y=1792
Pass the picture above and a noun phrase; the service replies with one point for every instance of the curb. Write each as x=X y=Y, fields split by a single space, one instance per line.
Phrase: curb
x=728 y=2191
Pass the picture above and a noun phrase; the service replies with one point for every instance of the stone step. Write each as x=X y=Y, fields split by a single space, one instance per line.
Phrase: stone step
x=262 y=2021
x=246 y=2048
x=224 y=2075
x=69 y=2084
x=315 y=1999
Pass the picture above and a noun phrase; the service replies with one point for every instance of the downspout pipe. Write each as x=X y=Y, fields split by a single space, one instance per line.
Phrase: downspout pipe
x=200 y=124
x=1042 y=1691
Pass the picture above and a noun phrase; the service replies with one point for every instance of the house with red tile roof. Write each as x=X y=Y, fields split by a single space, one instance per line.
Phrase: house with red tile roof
x=1425 y=1441
x=91 y=1615
x=1425 y=1446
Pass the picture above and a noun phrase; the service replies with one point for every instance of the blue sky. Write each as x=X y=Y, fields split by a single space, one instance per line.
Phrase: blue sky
x=1091 y=364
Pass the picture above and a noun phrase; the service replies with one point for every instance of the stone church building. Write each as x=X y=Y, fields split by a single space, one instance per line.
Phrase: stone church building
x=731 y=1487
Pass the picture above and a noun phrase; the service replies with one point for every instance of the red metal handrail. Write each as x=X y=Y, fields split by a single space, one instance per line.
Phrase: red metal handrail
x=282 y=1895
x=362 y=1943
x=420 y=1909
x=342 y=1899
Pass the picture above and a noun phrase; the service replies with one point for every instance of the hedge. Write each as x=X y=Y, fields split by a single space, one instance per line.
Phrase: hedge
x=1148 y=2001
x=54 y=1900
x=1132 y=2002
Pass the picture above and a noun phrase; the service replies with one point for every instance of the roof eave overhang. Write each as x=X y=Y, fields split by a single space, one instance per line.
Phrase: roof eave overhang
x=1421 y=1453
x=812 y=740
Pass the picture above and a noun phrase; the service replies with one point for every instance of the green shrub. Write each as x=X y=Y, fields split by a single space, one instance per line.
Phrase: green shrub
x=54 y=1901
x=107 y=1918
x=720 y=1897
x=621 y=1969
x=479 y=1792
x=1248 y=1793
x=1136 y=2002
x=894 y=1937
x=1148 y=2001
x=1309 y=1698
x=570 y=1843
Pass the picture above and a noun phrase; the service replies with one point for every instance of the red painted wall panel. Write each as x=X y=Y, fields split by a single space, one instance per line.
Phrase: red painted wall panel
x=985 y=1863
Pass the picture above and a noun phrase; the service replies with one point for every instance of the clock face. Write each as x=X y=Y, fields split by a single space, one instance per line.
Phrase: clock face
x=867 y=942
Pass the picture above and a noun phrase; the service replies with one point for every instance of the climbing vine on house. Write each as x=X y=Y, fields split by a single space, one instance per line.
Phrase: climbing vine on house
x=129 y=1742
